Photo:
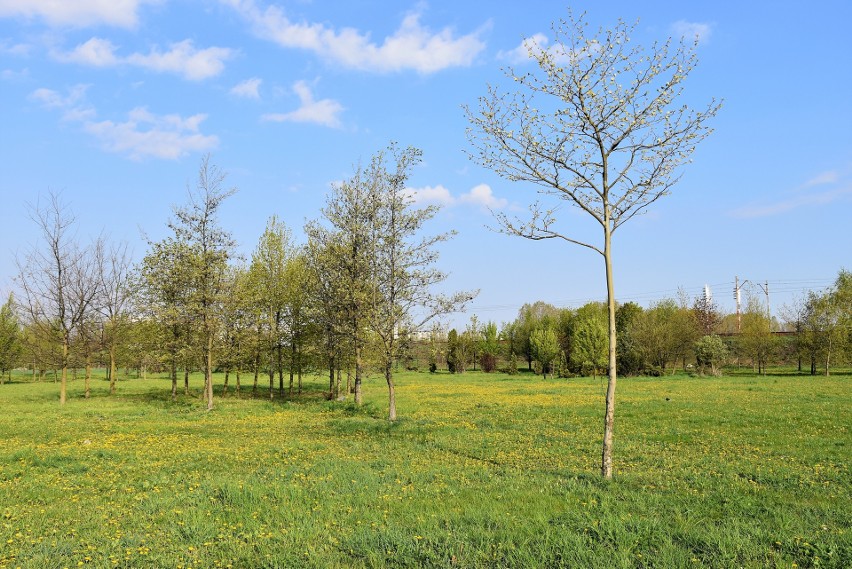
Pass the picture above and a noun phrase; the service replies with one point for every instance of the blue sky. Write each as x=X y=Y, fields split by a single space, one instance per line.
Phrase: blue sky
x=114 y=102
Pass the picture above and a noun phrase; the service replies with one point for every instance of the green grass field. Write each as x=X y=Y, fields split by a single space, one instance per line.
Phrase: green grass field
x=480 y=471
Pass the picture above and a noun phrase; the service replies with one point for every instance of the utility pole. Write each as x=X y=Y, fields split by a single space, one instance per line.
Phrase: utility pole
x=737 y=287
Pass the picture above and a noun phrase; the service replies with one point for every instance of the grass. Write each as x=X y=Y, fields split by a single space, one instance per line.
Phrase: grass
x=480 y=471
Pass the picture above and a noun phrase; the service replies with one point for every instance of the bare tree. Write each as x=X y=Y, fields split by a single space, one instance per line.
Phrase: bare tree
x=58 y=280
x=596 y=126
x=114 y=302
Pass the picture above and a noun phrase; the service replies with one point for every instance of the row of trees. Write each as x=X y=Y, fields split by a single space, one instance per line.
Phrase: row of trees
x=363 y=281
x=668 y=335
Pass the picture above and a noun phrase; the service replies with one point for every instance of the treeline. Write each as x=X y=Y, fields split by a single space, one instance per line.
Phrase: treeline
x=355 y=295
x=341 y=301
x=670 y=335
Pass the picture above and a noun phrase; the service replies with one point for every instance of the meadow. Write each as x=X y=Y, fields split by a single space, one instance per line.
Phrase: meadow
x=479 y=471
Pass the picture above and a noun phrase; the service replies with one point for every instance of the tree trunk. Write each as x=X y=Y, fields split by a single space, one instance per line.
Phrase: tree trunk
x=358 y=395
x=112 y=369
x=209 y=372
x=391 y=390
x=331 y=379
x=186 y=380
x=88 y=379
x=609 y=416
x=225 y=384
x=62 y=387
x=237 y=388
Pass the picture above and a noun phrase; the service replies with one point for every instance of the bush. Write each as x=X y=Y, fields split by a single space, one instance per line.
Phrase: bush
x=488 y=362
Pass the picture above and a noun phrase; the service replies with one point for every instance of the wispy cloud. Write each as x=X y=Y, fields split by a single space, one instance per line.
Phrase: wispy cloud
x=480 y=196
x=803 y=196
x=79 y=13
x=182 y=58
x=411 y=46
x=249 y=89
x=142 y=135
x=145 y=134
x=692 y=31
x=324 y=112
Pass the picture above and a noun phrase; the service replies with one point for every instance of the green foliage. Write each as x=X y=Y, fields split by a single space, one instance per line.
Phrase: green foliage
x=11 y=339
x=489 y=347
x=545 y=349
x=591 y=339
x=711 y=351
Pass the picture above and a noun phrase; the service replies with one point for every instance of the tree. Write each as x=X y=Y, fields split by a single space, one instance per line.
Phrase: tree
x=268 y=282
x=630 y=360
x=756 y=339
x=345 y=246
x=598 y=128
x=164 y=293
x=114 y=301
x=545 y=349
x=207 y=248
x=11 y=343
x=58 y=281
x=590 y=346
x=710 y=351
x=489 y=347
x=402 y=260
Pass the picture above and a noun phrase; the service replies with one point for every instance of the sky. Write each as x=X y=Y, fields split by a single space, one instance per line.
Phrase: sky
x=113 y=103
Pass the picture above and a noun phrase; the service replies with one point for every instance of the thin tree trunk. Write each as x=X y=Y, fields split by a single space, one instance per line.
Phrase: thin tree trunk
x=186 y=380
x=331 y=378
x=391 y=390
x=237 y=388
x=62 y=387
x=225 y=385
x=609 y=416
x=209 y=372
x=359 y=398
x=88 y=379
x=112 y=369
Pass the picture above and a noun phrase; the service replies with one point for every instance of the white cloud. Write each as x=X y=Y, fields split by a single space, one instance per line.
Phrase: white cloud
x=122 y=13
x=480 y=196
x=412 y=46
x=145 y=134
x=483 y=197
x=536 y=44
x=248 y=88
x=809 y=200
x=182 y=58
x=431 y=195
x=72 y=103
x=839 y=188
x=96 y=52
x=692 y=31
x=324 y=112
x=18 y=49
x=521 y=53
x=822 y=178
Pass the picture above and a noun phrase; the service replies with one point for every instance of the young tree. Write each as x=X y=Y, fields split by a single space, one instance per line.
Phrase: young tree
x=756 y=340
x=58 y=281
x=402 y=261
x=711 y=350
x=590 y=338
x=11 y=343
x=545 y=349
x=597 y=128
x=489 y=347
x=114 y=302
x=268 y=282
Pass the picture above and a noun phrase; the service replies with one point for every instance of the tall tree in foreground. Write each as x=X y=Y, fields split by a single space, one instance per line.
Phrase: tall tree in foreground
x=597 y=127
x=58 y=280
